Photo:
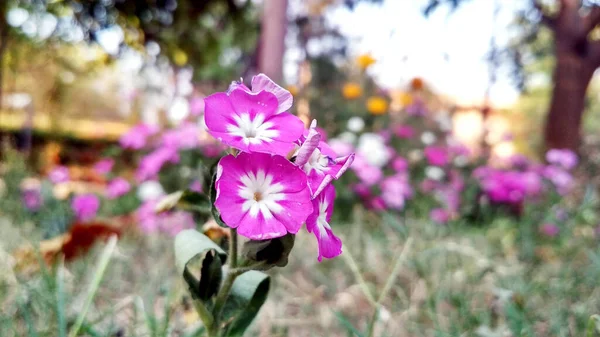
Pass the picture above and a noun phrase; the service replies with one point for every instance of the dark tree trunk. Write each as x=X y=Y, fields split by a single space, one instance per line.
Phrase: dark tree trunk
x=572 y=75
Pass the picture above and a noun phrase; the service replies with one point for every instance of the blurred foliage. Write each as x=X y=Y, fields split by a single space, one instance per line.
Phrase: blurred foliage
x=215 y=36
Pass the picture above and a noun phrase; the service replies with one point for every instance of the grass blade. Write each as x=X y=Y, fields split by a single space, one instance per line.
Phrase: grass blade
x=102 y=264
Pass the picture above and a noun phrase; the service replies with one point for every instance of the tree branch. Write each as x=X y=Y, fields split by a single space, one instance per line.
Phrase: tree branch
x=592 y=19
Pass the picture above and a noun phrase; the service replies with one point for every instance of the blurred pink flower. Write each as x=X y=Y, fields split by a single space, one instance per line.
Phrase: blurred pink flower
x=436 y=156
x=439 y=215
x=567 y=159
x=170 y=223
x=137 y=137
x=400 y=164
x=196 y=106
x=32 y=199
x=184 y=136
x=117 y=187
x=404 y=131
x=196 y=186
x=151 y=164
x=549 y=229
x=59 y=174
x=85 y=206
x=104 y=166
x=395 y=190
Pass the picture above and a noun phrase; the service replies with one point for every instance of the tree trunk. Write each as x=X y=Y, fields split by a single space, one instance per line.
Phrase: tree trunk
x=572 y=75
x=272 y=39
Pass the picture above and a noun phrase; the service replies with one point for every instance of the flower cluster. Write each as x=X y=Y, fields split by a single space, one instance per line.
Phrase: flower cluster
x=281 y=174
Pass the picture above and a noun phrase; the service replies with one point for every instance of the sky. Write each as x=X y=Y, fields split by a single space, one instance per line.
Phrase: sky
x=446 y=49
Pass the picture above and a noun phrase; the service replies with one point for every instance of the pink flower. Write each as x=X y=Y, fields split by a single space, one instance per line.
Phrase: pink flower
x=567 y=159
x=117 y=187
x=262 y=82
x=549 y=230
x=196 y=106
x=436 y=156
x=263 y=196
x=251 y=122
x=395 y=190
x=185 y=136
x=400 y=164
x=137 y=136
x=151 y=164
x=59 y=174
x=317 y=223
x=104 y=166
x=196 y=186
x=316 y=159
x=439 y=215
x=170 y=223
x=404 y=131
x=340 y=147
x=85 y=206
x=32 y=199
x=562 y=180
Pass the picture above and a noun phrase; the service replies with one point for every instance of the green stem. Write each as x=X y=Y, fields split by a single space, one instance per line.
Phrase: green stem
x=227 y=284
x=233 y=245
x=371 y=326
x=204 y=314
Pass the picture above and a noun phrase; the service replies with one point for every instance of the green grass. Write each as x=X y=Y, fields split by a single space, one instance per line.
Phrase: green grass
x=493 y=280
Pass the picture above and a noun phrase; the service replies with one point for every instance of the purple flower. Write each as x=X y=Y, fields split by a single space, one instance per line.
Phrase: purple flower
x=436 y=156
x=85 y=206
x=567 y=159
x=59 y=174
x=561 y=179
x=117 y=187
x=137 y=137
x=252 y=122
x=317 y=223
x=104 y=166
x=196 y=186
x=263 y=196
x=549 y=230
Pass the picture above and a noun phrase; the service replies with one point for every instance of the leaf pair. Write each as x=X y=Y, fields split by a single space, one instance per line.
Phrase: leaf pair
x=194 y=251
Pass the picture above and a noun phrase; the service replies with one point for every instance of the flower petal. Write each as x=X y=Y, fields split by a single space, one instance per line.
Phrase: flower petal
x=262 y=82
x=318 y=223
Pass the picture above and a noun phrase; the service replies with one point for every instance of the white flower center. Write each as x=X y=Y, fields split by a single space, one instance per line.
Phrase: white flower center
x=261 y=194
x=317 y=162
x=253 y=131
x=322 y=223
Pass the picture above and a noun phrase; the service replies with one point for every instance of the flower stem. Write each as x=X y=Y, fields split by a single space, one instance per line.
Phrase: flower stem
x=233 y=245
x=204 y=314
x=227 y=284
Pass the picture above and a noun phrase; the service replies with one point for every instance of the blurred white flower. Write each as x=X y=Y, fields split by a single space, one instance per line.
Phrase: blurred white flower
x=356 y=124
x=372 y=147
x=347 y=137
x=150 y=190
x=460 y=161
x=434 y=172
x=428 y=138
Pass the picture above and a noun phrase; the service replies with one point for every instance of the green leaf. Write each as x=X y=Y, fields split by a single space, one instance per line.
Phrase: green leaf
x=192 y=246
x=248 y=294
x=213 y=196
x=185 y=200
x=273 y=251
x=346 y=323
